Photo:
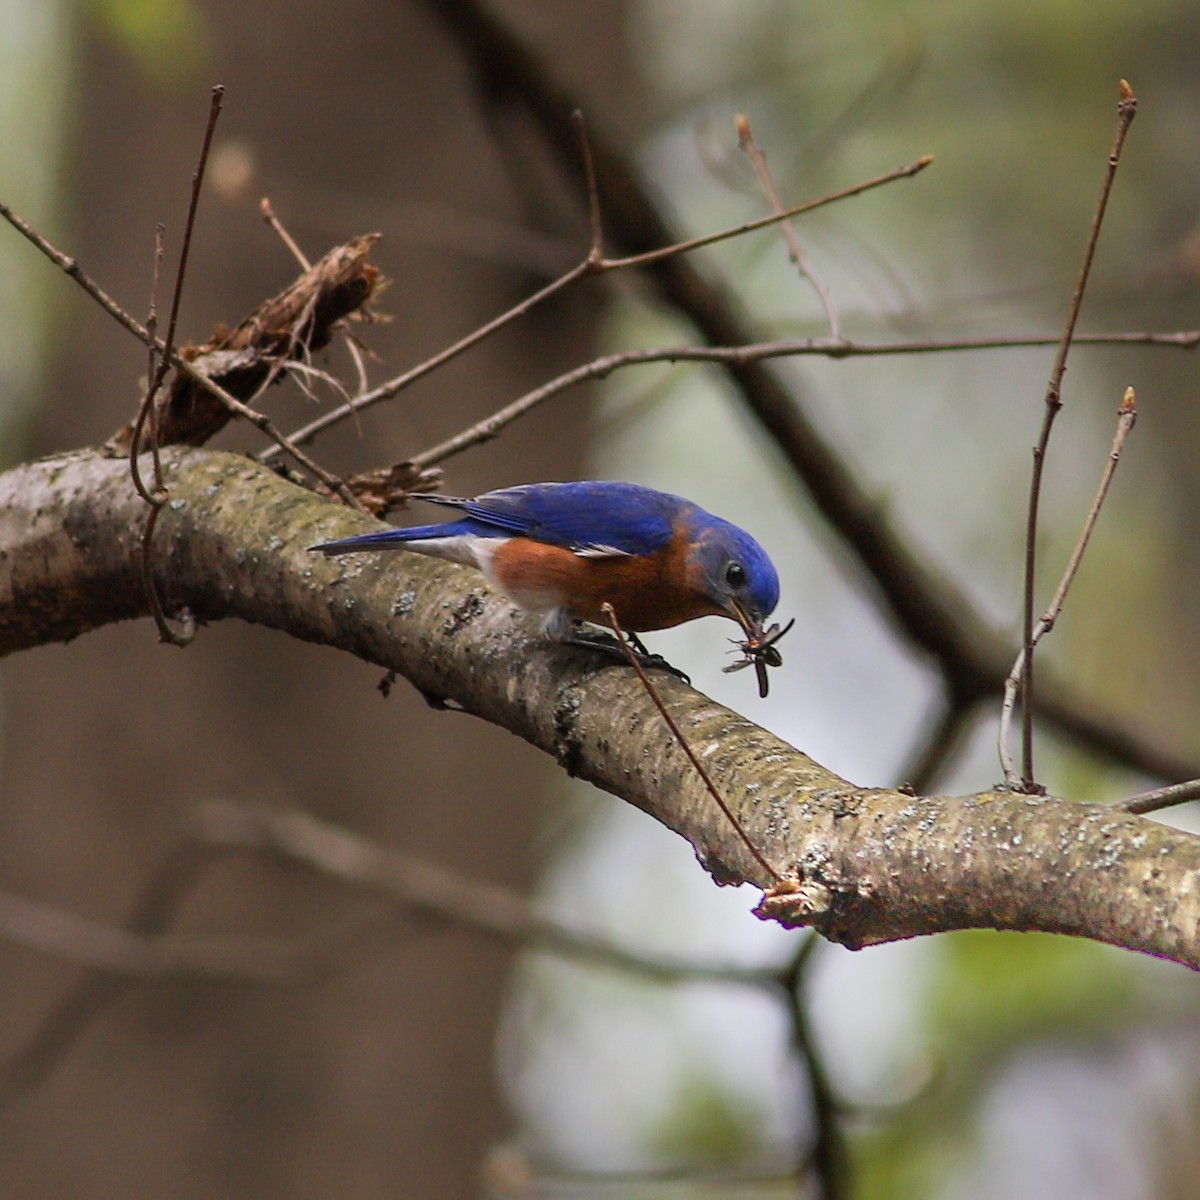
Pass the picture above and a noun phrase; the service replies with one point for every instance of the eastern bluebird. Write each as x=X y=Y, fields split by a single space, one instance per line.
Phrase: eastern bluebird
x=564 y=549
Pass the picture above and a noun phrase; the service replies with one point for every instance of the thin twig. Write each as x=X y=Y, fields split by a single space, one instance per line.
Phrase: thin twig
x=591 y=265
x=677 y=734
x=160 y=365
x=393 y=387
x=286 y=238
x=1126 y=417
x=766 y=180
x=148 y=410
x=1126 y=110
x=600 y=368
x=153 y=390
x=1183 y=339
x=595 y=223
x=172 y=637
x=164 y=352
x=709 y=239
x=214 y=112
x=262 y=423
x=1164 y=797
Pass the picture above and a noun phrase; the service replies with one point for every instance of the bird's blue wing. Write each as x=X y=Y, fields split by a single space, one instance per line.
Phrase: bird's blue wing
x=590 y=517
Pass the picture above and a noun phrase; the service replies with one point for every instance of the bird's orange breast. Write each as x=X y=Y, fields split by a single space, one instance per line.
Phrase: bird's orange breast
x=647 y=591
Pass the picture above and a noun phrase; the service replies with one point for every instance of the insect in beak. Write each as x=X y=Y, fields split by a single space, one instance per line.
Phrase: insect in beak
x=759 y=648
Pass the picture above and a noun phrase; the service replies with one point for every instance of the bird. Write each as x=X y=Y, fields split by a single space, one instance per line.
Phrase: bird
x=564 y=550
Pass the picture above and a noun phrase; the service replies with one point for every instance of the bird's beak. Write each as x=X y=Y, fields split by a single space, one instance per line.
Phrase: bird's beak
x=753 y=627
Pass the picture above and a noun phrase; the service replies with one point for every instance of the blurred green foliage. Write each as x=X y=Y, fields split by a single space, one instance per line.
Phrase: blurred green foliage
x=706 y=1126
x=168 y=40
x=988 y=996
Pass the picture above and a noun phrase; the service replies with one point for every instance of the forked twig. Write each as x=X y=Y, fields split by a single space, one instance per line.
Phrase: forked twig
x=1126 y=417
x=592 y=264
x=766 y=181
x=677 y=734
x=261 y=422
x=710 y=239
x=490 y=426
x=595 y=221
x=1126 y=110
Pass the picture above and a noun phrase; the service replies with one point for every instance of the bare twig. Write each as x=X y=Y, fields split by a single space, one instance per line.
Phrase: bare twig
x=593 y=264
x=73 y=270
x=148 y=410
x=677 y=734
x=595 y=223
x=160 y=364
x=766 y=180
x=172 y=637
x=189 y=226
x=1126 y=110
x=1164 y=797
x=600 y=368
x=1126 y=416
x=286 y=238
x=161 y=355
x=710 y=239
x=393 y=387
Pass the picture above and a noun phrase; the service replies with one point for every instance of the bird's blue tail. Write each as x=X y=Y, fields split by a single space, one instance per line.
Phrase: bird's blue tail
x=384 y=539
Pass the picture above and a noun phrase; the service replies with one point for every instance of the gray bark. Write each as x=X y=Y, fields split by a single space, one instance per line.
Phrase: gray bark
x=861 y=865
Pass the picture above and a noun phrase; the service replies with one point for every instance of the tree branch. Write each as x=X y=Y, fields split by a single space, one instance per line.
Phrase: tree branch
x=870 y=865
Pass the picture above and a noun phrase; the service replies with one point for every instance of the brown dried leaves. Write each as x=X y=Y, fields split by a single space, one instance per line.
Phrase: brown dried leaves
x=288 y=327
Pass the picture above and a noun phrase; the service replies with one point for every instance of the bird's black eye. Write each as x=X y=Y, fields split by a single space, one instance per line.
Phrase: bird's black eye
x=735 y=575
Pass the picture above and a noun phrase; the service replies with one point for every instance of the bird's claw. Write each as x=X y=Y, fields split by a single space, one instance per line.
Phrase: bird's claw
x=613 y=649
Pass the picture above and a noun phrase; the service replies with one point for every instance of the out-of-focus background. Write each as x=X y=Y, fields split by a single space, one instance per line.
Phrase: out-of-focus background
x=437 y=1064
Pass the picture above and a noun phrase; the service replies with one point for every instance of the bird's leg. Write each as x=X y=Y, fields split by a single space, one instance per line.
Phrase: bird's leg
x=561 y=628
x=611 y=648
x=637 y=643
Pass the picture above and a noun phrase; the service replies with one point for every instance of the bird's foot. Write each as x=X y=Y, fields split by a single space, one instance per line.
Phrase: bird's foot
x=611 y=648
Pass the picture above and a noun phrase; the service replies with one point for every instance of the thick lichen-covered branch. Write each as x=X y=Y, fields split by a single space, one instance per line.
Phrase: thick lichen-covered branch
x=868 y=865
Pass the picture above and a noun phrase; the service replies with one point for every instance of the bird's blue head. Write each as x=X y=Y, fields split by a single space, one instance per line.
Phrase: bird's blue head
x=733 y=571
